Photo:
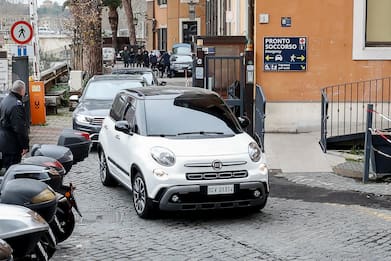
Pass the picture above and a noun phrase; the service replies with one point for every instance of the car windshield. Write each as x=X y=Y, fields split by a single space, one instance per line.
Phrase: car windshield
x=106 y=90
x=190 y=116
x=182 y=59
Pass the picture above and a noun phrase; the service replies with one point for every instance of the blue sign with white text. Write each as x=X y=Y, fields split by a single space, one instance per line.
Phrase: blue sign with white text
x=284 y=54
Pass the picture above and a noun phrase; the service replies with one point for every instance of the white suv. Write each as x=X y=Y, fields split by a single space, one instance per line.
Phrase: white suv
x=181 y=149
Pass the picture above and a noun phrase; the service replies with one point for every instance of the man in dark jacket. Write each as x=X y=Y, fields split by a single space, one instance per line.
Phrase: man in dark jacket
x=14 y=139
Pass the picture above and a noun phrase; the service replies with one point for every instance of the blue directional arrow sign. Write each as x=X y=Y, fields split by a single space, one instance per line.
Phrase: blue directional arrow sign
x=285 y=54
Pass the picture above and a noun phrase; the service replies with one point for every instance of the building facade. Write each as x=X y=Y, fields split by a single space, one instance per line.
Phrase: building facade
x=335 y=42
x=176 y=21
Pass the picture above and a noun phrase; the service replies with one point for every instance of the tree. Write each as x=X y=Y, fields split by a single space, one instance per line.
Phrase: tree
x=87 y=35
x=127 y=4
x=113 y=19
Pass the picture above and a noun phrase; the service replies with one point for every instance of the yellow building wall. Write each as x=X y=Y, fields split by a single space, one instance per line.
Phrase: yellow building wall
x=328 y=26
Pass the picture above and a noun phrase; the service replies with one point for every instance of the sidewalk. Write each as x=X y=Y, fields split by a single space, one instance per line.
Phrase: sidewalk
x=299 y=158
x=49 y=132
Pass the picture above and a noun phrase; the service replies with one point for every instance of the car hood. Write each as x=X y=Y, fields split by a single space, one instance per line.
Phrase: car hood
x=95 y=108
x=205 y=145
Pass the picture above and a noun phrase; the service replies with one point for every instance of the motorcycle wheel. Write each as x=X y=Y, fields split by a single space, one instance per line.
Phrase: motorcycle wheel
x=63 y=223
x=45 y=248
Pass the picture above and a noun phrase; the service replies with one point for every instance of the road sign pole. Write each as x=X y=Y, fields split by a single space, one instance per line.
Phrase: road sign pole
x=34 y=22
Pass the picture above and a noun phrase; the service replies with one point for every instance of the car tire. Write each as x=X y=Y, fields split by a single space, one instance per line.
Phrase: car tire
x=106 y=177
x=142 y=204
x=259 y=207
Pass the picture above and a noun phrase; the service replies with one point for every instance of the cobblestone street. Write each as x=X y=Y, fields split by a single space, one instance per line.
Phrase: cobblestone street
x=287 y=229
x=284 y=230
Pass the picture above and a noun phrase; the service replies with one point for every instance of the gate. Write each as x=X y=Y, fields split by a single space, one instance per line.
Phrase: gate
x=260 y=110
x=225 y=75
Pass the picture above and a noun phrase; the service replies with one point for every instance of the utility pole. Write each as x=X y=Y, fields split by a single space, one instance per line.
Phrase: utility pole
x=34 y=23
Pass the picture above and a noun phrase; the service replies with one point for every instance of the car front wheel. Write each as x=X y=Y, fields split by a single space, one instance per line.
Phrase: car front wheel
x=142 y=204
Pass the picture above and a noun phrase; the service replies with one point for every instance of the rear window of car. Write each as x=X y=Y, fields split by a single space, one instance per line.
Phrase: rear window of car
x=106 y=90
x=173 y=117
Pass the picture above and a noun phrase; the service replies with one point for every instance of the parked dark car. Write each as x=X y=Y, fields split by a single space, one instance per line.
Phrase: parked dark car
x=95 y=102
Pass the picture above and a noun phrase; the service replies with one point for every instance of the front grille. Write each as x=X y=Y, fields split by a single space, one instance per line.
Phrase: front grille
x=217 y=175
x=97 y=121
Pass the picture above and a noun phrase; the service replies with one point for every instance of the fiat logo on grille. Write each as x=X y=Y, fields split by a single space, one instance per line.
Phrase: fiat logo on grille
x=217 y=165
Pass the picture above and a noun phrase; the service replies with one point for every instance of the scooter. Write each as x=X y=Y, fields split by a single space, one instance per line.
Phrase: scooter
x=72 y=147
x=63 y=222
x=51 y=170
x=27 y=232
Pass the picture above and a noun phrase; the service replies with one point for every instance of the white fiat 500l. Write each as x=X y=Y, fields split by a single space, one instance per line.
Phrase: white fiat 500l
x=181 y=149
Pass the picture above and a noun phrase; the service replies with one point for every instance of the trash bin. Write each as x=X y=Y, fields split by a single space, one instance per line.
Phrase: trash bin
x=381 y=149
x=37 y=103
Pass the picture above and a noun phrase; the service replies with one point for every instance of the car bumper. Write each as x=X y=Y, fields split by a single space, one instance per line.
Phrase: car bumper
x=195 y=197
x=91 y=129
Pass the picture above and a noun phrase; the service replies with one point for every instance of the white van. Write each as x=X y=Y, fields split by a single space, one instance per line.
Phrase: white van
x=108 y=54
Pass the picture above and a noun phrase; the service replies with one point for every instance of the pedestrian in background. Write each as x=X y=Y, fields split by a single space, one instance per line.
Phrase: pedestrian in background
x=139 y=58
x=126 y=56
x=146 y=58
x=166 y=64
x=14 y=139
x=132 y=59
x=153 y=60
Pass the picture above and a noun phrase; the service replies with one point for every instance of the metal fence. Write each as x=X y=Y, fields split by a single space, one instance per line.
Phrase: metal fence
x=344 y=111
x=225 y=75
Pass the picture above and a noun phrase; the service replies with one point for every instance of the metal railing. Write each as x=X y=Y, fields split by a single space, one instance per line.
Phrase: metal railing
x=343 y=110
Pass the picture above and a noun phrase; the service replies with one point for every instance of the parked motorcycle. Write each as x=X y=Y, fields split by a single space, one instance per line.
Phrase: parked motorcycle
x=54 y=162
x=38 y=242
x=63 y=222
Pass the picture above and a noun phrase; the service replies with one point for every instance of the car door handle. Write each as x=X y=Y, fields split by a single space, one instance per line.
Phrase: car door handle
x=117 y=136
x=105 y=126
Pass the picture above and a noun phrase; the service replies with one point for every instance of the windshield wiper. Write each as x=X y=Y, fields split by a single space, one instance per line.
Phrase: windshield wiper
x=161 y=135
x=201 y=133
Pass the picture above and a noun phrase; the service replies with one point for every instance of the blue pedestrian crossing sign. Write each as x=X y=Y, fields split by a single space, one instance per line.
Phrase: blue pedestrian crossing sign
x=285 y=54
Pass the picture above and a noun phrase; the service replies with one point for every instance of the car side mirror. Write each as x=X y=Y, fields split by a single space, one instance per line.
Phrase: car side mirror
x=122 y=126
x=74 y=98
x=244 y=121
x=162 y=83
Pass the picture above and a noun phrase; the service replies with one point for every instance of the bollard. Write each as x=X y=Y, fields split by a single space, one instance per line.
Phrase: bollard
x=368 y=142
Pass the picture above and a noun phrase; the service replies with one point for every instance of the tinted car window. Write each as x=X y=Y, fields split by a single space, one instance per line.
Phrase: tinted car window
x=190 y=115
x=118 y=106
x=106 y=90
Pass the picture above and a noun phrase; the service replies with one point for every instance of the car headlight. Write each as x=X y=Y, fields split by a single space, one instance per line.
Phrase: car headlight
x=163 y=156
x=83 y=119
x=254 y=152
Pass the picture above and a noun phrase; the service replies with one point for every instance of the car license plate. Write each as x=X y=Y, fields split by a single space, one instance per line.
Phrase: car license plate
x=181 y=70
x=221 y=189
